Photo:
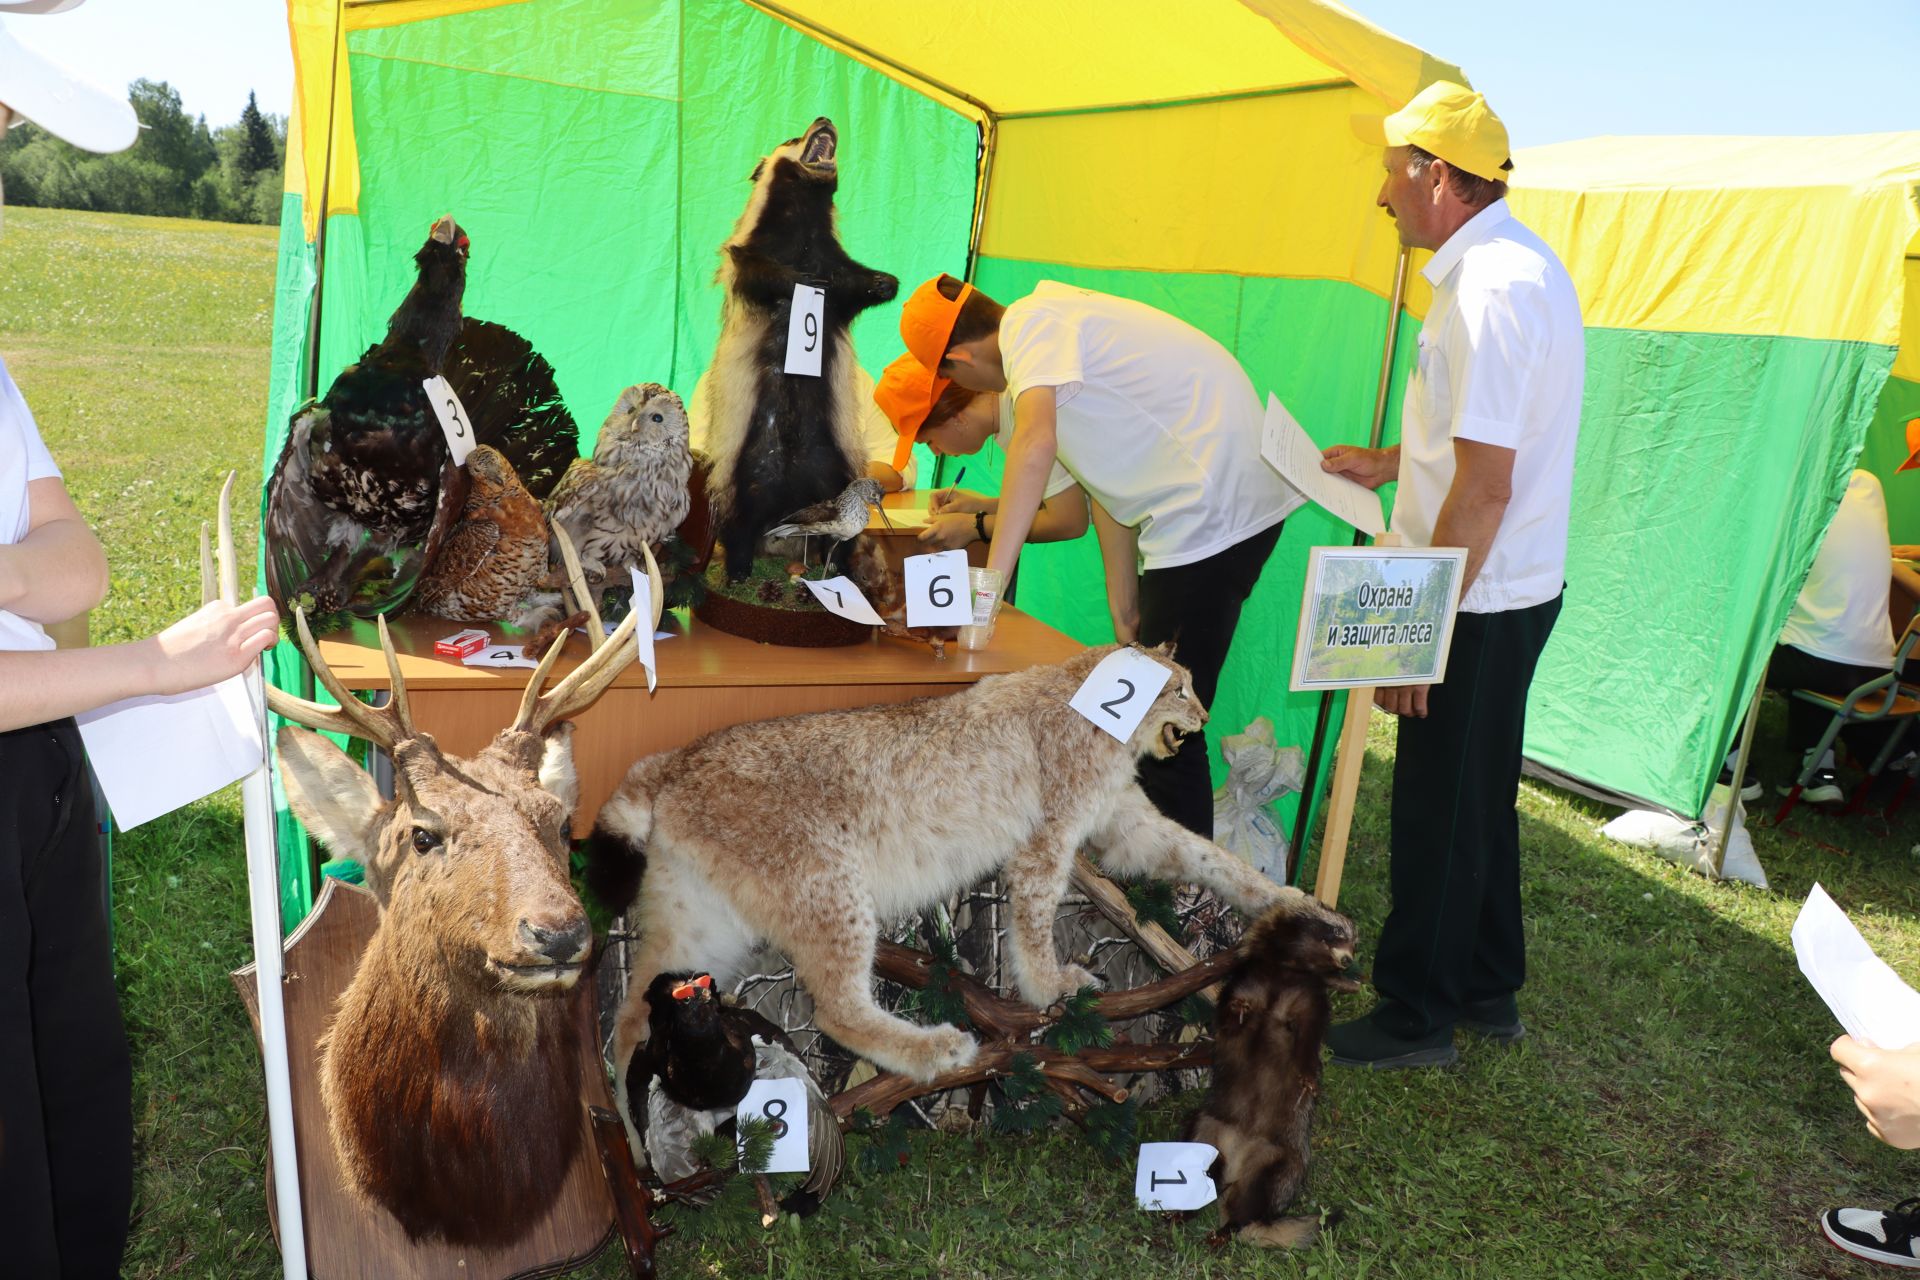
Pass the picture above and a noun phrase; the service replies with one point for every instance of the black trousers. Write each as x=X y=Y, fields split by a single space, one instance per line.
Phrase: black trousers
x=1197 y=606
x=1453 y=936
x=1792 y=668
x=66 y=1104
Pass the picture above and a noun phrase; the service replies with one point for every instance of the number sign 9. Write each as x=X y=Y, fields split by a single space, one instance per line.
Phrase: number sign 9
x=1116 y=694
x=804 y=326
x=935 y=594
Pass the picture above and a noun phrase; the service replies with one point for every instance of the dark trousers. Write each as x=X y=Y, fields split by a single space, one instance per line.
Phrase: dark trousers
x=1453 y=937
x=1197 y=606
x=66 y=1104
x=1792 y=668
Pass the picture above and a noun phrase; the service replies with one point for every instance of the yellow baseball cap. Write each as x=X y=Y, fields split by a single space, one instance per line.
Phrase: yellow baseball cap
x=1450 y=121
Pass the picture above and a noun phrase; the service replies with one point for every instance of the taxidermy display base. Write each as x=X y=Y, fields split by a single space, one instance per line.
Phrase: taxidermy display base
x=769 y=607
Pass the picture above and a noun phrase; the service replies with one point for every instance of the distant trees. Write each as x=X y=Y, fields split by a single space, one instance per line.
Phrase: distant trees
x=178 y=168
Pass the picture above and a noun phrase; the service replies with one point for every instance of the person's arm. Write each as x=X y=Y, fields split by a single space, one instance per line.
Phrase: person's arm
x=207 y=646
x=1061 y=518
x=1029 y=463
x=58 y=571
x=1886 y=1088
x=1120 y=556
x=891 y=481
x=1370 y=467
x=1906 y=579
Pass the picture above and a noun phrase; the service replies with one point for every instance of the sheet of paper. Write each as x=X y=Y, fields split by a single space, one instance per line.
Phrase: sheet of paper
x=156 y=754
x=643 y=636
x=1117 y=693
x=1865 y=994
x=782 y=1103
x=840 y=596
x=499 y=655
x=1292 y=452
x=1172 y=1176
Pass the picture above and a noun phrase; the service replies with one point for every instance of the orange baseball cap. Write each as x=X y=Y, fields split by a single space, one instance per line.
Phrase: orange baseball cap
x=905 y=393
x=926 y=322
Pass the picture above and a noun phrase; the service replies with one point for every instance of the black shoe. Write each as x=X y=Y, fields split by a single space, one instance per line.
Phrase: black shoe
x=1890 y=1236
x=1823 y=789
x=1497 y=1020
x=1364 y=1043
x=1750 y=790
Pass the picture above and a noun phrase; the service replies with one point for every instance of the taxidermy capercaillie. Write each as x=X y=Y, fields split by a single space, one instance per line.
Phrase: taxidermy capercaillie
x=700 y=1059
x=1268 y=1028
x=633 y=491
x=781 y=441
x=365 y=489
x=495 y=557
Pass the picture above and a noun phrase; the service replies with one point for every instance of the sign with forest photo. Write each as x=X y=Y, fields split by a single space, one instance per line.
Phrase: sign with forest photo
x=1375 y=616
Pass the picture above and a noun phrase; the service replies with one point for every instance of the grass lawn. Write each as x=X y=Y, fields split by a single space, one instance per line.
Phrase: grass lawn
x=1673 y=1114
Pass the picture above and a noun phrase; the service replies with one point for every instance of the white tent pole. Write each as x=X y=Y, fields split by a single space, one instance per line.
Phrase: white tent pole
x=1739 y=775
x=263 y=892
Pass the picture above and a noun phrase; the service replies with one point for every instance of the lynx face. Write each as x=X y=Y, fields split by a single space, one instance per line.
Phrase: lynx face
x=1174 y=714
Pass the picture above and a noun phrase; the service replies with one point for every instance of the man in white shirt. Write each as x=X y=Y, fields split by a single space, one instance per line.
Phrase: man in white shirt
x=1159 y=426
x=1485 y=462
x=66 y=1119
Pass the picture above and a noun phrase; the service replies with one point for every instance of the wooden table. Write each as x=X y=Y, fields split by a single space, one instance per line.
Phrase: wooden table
x=708 y=680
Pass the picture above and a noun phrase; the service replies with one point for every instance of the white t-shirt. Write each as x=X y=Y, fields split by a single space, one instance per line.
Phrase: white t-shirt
x=1503 y=361
x=876 y=432
x=23 y=458
x=1842 y=612
x=1156 y=420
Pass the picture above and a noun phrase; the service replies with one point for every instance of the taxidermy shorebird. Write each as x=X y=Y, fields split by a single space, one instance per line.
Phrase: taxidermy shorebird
x=842 y=519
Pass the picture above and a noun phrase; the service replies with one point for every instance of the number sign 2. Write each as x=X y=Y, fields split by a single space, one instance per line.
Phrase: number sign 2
x=784 y=1103
x=452 y=417
x=1173 y=1176
x=937 y=593
x=1116 y=694
x=804 y=327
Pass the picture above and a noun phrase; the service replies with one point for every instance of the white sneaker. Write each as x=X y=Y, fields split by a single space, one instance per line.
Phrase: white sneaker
x=1882 y=1235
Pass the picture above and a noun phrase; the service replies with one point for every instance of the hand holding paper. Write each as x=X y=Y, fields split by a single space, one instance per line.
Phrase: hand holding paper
x=1868 y=998
x=1292 y=452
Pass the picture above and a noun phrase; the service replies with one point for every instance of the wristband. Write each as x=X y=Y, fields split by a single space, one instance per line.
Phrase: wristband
x=980 y=526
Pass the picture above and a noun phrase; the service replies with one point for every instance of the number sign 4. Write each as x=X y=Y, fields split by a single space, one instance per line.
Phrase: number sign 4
x=1116 y=694
x=452 y=417
x=784 y=1103
x=937 y=594
x=804 y=327
x=1173 y=1176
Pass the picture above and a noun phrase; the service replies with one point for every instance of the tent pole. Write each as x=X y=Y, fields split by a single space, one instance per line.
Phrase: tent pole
x=1324 y=716
x=1739 y=776
x=989 y=147
x=826 y=35
x=311 y=373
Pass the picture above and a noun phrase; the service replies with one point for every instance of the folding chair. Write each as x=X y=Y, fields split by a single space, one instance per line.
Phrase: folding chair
x=1881 y=698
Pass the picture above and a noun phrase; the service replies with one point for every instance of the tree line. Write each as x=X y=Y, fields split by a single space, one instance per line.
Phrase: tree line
x=179 y=168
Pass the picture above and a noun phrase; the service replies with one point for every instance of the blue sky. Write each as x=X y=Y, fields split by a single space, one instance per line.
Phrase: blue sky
x=1554 y=70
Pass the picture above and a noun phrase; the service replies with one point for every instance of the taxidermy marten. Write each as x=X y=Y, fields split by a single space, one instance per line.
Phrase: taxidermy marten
x=1267 y=1032
x=784 y=441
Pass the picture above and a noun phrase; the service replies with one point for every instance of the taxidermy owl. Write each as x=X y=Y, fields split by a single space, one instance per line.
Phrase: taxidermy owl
x=495 y=556
x=632 y=491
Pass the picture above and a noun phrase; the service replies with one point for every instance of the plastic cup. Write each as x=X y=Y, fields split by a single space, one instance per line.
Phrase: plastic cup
x=985 y=584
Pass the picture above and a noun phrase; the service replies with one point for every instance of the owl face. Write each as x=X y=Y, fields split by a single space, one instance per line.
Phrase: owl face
x=645 y=415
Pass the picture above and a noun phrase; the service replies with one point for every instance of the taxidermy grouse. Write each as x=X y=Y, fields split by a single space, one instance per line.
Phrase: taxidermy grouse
x=633 y=491
x=365 y=490
x=495 y=556
x=699 y=1060
x=1267 y=1031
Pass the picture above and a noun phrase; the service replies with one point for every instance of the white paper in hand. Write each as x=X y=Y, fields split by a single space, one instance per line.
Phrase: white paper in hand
x=453 y=417
x=1292 y=452
x=211 y=738
x=1867 y=996
x=936 y=588
x=809 y=316
x=840 y=596
x=783 y=1103
x=642 y=631
x=1173 y=1176
x=1116 y=694
x=499 y=655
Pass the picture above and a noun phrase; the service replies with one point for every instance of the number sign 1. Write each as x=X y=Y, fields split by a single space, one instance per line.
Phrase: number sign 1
x=1173 y=1176
x=839 y=595
x=1116 y=694
x=452 y=416
x=804 y=327
x=784 y=1103
x=937 y=593
x=643 y=629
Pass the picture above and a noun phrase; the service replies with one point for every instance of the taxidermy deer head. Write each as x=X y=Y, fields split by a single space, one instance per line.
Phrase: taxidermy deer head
x=451 y=1070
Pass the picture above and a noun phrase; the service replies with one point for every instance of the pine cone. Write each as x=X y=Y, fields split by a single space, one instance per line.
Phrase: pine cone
x=773 y=592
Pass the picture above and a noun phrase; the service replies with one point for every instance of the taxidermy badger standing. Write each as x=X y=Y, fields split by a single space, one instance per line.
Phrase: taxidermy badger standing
x=782 y=441
x=1267 y=1031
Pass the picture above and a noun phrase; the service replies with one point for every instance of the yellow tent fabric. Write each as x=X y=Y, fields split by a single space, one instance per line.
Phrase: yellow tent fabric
x=1780 y=237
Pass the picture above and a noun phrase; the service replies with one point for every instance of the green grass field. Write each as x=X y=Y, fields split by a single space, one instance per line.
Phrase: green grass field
x=1673 y=1114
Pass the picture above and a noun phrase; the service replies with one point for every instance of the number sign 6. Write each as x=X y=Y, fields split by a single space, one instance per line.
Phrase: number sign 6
x=1116 y=694
x=934 y=597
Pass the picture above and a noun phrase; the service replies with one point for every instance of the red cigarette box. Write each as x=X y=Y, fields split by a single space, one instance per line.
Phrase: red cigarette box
x=461 y=643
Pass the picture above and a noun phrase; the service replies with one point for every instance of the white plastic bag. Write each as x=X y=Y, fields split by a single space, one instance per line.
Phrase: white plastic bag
x=1691 y=844
x=1258 y=773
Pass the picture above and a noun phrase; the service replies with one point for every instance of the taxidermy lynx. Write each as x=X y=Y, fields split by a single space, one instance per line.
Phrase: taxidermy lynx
x=810 y=832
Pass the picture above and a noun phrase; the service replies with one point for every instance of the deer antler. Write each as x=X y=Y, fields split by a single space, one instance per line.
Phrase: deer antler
x=383 y=726
x=583 y=598
x=591 y=677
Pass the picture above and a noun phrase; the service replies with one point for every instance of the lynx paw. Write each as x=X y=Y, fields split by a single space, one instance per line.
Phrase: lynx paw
x=1043 y=992
x=940 y=1050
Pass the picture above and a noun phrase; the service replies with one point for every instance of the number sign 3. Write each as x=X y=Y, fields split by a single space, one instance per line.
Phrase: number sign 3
x=452 y=416
x=784 y=1103
x=1116 y=694
x=1173 y=1176
x=937 y=590
x=804 y=326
